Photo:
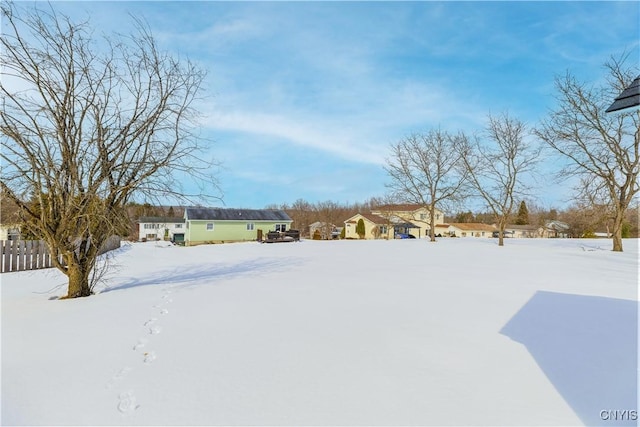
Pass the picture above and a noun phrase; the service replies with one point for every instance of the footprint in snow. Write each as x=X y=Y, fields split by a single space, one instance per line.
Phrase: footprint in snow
x=162 y=304
x=117 y=377
x=127 y=402
x=149 y=357
x=155 y=330
x=141 y=343
x=150 y=321
x=164 y=311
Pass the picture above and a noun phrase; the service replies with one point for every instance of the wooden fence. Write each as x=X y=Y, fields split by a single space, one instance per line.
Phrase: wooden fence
x=20 y=255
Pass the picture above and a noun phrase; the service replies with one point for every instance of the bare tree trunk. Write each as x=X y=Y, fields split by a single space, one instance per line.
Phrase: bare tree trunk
x=432 y=221
x=617 y=230
x=78 y=268
x=501 y=226
x=78 y=273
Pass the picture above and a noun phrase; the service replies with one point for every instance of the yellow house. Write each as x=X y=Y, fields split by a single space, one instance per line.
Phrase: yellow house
x=391 y=221
x=417 y=215
x=375 y=227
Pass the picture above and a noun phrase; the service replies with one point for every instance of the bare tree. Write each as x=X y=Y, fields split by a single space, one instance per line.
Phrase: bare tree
x=86 y=126
x=329 y=214
x=497 y=164
x=424 y=169
x=603 y=149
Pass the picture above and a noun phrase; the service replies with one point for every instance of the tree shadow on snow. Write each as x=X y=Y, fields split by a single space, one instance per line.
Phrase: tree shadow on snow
x=193 y=275
x=587 y=346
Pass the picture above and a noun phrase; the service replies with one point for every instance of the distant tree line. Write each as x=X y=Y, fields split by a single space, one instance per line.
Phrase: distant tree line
x=583 y=220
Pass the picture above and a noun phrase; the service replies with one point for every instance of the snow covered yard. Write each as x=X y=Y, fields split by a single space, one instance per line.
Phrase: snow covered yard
x=460 y=332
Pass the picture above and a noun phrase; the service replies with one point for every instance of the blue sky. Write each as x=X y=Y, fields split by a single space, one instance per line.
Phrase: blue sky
x=304 y=98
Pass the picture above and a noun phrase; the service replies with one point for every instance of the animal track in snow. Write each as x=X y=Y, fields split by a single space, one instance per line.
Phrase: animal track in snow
x=155 y=330
x=127 y=402
x=164 y=311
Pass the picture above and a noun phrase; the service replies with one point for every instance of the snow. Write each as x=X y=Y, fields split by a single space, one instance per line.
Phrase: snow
x=403 y=332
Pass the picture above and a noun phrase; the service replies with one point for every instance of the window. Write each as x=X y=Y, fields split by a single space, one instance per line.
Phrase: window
x=178 y=225
x=250 y=226
x=209 y=226
x=383 y=229
x=423 y=216
x=281 y=227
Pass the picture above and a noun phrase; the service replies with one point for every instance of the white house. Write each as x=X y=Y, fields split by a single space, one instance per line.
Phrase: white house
x=9 y=232
x=555 y=228
x=465 y=229
x=161 y=228
x=523 y=231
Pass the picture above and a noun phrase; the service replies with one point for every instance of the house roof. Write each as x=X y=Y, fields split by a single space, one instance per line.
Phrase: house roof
x=473 y=226
x=557 y=225
x=160 y=219
x=374 y=218
x=319 y=224
x=630 y=97
x=368 y=216
x=229 y=214
x=521 y=227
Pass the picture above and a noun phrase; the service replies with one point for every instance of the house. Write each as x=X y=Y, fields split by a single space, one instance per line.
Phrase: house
x=9 y=220
x=378 y=227
x=161 y=228
x=465 y=229
x=325 y=230
x=220 y=225
x=415 y=216
x=523 y=231
x=556 y=229
x=389 y=221
x=375 y=227
x=9 y=232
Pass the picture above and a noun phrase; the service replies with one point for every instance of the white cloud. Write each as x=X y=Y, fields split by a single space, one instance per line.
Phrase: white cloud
x=295 y=131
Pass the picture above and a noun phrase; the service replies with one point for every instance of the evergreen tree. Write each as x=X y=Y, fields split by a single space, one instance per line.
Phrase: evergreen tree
x=360 y=230
x=523 y=214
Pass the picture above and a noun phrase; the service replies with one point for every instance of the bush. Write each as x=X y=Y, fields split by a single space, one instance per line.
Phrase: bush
x=626 y=230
